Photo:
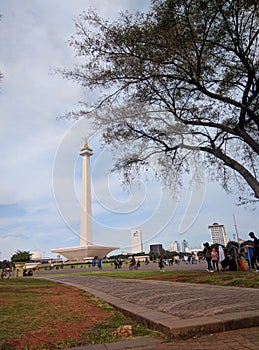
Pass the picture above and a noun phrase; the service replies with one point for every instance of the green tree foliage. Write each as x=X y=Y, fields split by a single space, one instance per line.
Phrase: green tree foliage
x=176 y=83
x=21 y=256
x=5 y=263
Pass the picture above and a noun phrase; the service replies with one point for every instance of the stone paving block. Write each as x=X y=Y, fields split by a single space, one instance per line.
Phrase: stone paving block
x=135 y=343
x=90 y=347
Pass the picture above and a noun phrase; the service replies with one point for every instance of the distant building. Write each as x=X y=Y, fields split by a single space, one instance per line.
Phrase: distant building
x=218 y=234
x=175 y=247
x=136 y=241
x=185 y=246
x=156 y=248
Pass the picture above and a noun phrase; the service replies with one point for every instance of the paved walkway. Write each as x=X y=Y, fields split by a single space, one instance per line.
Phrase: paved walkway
x=194 y=316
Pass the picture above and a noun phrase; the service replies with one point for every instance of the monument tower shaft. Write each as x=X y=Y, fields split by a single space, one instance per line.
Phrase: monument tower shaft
x=86 y=235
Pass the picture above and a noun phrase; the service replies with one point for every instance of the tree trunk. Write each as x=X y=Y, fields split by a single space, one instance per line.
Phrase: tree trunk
x=233 y=164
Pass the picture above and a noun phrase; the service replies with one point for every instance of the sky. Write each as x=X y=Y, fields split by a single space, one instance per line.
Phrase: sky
x=40 y=177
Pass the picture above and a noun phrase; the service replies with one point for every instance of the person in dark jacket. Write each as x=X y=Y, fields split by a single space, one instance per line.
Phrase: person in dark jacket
x=207 y=255
x=255 y=257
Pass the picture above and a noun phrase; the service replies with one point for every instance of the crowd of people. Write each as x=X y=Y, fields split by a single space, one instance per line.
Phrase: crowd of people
x=218 y=258
x=233 y=258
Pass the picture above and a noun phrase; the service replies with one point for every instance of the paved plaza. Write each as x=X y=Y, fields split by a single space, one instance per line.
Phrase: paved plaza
x=193 y=316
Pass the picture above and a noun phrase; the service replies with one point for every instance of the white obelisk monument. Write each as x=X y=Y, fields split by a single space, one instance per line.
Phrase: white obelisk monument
x=87 y=249
x=86 y=236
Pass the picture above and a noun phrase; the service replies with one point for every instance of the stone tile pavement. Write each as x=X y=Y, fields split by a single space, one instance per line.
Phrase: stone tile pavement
x=176 y=309
x=191 y=315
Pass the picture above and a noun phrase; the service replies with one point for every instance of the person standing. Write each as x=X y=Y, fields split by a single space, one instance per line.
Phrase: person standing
x=215 y=259
x=207 y=255
x=161 y=264
x=99 y=264
x=255 y=257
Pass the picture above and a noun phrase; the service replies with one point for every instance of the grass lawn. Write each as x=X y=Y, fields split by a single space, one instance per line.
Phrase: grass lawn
x=39 y=314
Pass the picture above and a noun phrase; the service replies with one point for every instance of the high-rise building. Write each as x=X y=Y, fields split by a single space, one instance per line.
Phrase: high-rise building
x=185 y=245
x=156 y=248
x=136 y=241
x=175 y=247
x=218 y=234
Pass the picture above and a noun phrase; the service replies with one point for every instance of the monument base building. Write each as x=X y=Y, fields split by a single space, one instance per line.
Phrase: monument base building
x=81 y=253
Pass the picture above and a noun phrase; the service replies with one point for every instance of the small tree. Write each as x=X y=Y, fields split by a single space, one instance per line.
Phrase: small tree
x=5 y=263
x=21 y=256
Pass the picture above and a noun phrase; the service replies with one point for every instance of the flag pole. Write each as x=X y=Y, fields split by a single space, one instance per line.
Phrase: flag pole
x=235 y=225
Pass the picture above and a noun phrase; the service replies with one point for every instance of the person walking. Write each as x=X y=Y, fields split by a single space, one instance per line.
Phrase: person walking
x=215 y=259
x=255 y=257
x=161 y=264
x=99 y=264
x=207 y=255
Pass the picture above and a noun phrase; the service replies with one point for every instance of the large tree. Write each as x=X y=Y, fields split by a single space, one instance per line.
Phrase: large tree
x=177 y=80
